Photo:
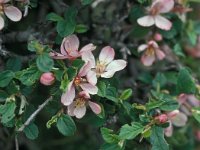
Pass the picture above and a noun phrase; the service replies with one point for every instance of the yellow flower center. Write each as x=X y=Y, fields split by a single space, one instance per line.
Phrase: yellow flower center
x=80 y=102
x=1 y=8
x=77 y=81
x=150 y=51
x=100 y=68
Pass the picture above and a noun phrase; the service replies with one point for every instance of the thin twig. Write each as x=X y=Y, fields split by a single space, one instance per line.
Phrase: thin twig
x=34 y=114
x=16 y=143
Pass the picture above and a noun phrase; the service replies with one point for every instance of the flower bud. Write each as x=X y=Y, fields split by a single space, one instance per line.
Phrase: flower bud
x=47 y=78
x=158 y=37
x=161 y=118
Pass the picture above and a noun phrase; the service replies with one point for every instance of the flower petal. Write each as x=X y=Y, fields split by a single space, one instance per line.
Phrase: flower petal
x=179 y=120
x=88 y=56
x=2 y=23
x=4 y=1
x=162 y=23
x=56 y=55
x=85 y=69
x=159 y=54
x=142 y=47
x=88 y=48
x=79 y=112
x=70 y=109
x=147 y=60
x=69 y=44
x=169 y=130
x=91 y=89
x=113 y=67
x=146 y=21
x=13 y=13
x=68 y=97
x=84 y=94
x=92 y=77
x=164 y=6
x=106 y=55
x=96 y=108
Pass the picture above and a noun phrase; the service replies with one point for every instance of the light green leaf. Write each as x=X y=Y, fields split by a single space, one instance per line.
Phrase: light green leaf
x=108 y=135
x=44 y=62
x=126 y=94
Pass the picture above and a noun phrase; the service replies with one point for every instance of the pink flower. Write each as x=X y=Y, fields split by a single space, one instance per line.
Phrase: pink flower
x=163 y=118
x=154 y=17
x=187 y=101
x=13 y=13
x=47 y=78
x=152 y=52
x=69 y=48
x=85 y=80
x=105 y=67
x=177 y=119
x=78 y=107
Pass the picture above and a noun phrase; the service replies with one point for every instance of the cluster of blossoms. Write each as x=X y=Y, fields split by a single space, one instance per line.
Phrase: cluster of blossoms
x=77 y=95
x=179 y=117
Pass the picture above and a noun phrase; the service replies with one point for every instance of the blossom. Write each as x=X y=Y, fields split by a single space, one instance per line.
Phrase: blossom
x=78 y=107
x=177 y=119
x=158 y=7
x=69 y=48
x=106 y=66
x=152 y=52
x=13 y=13
x=85 y=80
x=186 y=102
x=158 y=37
x=47 y=78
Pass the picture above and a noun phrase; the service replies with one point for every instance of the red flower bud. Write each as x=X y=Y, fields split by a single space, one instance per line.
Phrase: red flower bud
x=161 y=118
x=47 y=78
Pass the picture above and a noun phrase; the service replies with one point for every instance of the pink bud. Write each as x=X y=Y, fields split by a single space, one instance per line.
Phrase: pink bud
x=47 y=78
x=158 y=37
x=161 y=118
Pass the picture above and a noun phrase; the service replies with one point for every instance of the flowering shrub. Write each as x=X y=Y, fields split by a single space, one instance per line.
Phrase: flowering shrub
x=111 y=75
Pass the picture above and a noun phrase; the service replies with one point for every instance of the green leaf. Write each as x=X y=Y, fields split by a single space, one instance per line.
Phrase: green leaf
x=34 y=45
x=86 y=2
x=31 y=131
x=196 y=113
x=6 y=77
x=178 y=50
x=78 y=63
x=14 y=64
x=54 y=17
x=126 y=94
x=7 y=111
x=160 y=80
x=157 y=139
x=101 y=89
x=81 y=28
x=44 y=62
x=185 y=83
x=108 y=135
x=67 y=26
x=130 y=132
x=108 y=146
x=29 y=76
x=3 y=95
x=66 y=125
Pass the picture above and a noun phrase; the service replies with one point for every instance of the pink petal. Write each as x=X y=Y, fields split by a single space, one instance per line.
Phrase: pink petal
x=179 y=120
x=147 y=60
x=85 y=69
x=142 y=47
x=106 y=55
x=79 y=112
x=164 y=5
x=1 y=23
x=69 y=44
x=113 y=67
x=153 y=43
x=96 y=108
x=70 y=109
x=92 y=77
x=68 y=97
x=56 y=55
x=84 y=94
x=173 y=113
x=169 y=130
x=88 y=56
x=13 y=13
x=162 y=23
x=193 y=101
x=91 y=89
x=146 y=21
x=88 y=48
x=159 y=54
